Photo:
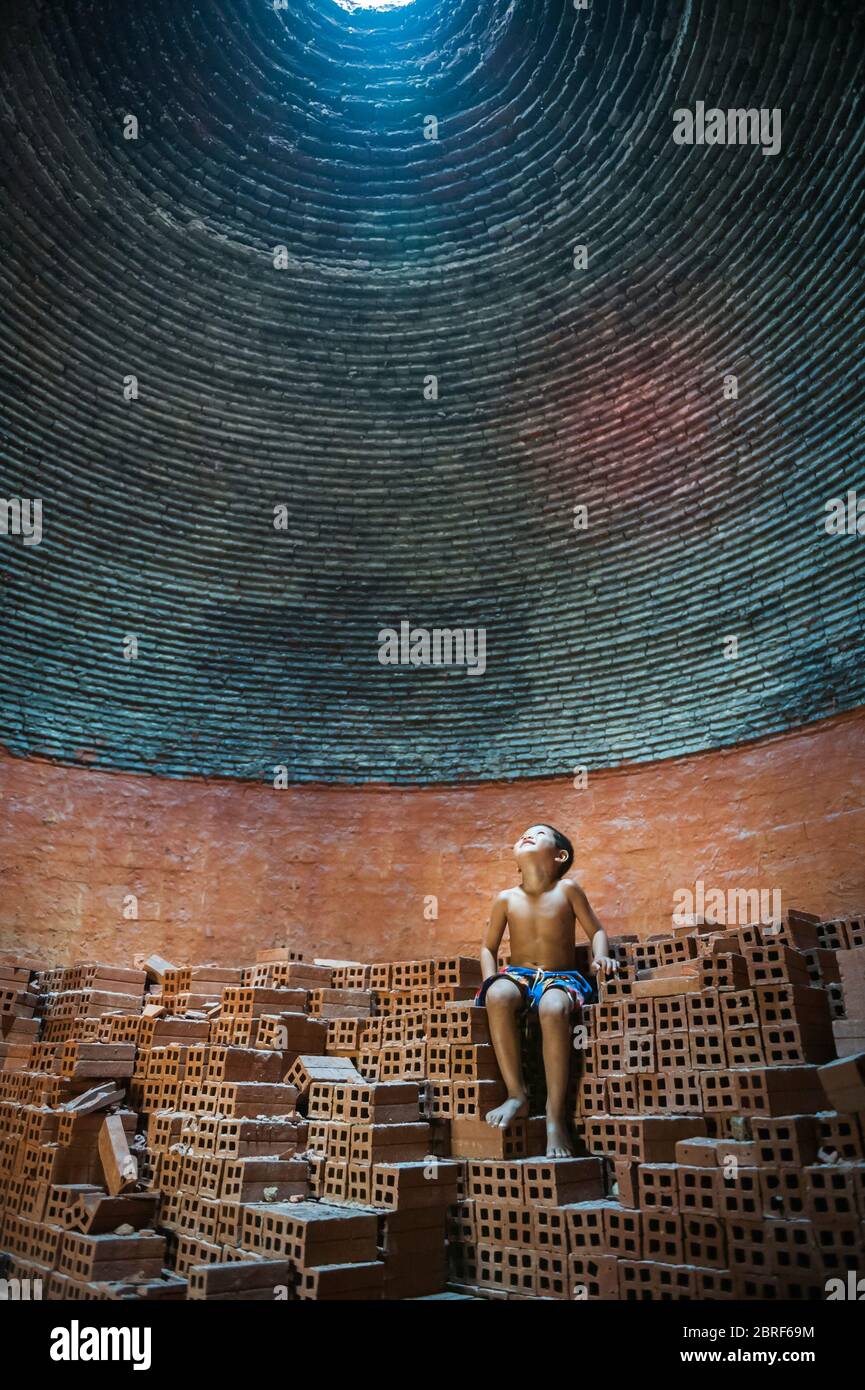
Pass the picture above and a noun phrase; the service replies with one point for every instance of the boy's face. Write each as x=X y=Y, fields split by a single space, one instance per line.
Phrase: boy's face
x=536 y=845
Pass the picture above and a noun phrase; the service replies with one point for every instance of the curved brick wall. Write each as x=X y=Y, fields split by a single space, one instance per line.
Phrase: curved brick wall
x=303 y=386
x=222 y=868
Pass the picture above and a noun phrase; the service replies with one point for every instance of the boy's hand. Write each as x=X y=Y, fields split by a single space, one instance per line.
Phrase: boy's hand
x=605 y=965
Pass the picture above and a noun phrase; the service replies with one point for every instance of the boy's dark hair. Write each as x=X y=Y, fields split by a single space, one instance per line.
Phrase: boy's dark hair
x=562 y=842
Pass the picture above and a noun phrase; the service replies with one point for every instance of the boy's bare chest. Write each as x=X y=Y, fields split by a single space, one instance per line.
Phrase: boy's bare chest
x=549 y=914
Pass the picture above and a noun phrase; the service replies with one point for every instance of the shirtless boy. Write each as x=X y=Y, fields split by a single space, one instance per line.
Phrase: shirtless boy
x=540 y=915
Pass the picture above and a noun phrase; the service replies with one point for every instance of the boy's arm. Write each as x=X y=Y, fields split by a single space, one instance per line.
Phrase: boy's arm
x=494 y=933
x=602 y=961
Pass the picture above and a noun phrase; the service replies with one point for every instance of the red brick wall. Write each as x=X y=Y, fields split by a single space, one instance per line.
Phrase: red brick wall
x=221 y=868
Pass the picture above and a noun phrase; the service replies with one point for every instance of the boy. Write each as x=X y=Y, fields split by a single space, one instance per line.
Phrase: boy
x=540 y=915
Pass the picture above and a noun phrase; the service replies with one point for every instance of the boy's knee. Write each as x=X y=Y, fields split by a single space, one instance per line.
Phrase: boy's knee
x=554 y=1004
x=502 y=994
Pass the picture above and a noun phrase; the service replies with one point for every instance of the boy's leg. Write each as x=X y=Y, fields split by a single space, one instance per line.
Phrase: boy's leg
x=555 y=1010
x=503 y=1002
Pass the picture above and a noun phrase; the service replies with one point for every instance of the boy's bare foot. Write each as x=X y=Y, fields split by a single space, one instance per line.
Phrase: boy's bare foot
x=558 y=1142
x=514 y=1108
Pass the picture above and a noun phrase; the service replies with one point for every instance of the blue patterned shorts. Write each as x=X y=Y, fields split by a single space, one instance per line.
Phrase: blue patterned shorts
x=533 y=984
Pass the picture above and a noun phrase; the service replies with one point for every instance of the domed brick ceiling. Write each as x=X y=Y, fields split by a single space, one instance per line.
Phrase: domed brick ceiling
x=301 y=380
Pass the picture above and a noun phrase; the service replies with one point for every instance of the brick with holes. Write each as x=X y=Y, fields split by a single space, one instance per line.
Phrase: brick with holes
x=704 y=1240
x=639 y=1053
x=85 y=1060
x=617 y=1094
x=496 y=1182
x=672 y=1051
x=775 y=964
x=833 y=1192
x=306 y=1069
x=795 y=1251
x=593 y=1277
x=252 y=1279
x=409 y=1186
x=309 y=1233
x=672 y=1092
x=389 y=1143
x=473 y=1062
x=475 y=1098
x=626 y=1182
x=839 y=1137
x=94 y=1213
x=343 y=1282
x=709 y=1049
x=584 y=1226
x=609 y=1055
x=292 y=1033
x=642 y=1138
x=719 y=1091
x=548 y=1227
x=822 y=967
x=839 y=1247
x=745 y=1047
x=787 y=1140
x=779 y=1004
x=750 y=1246
x=381 y=1103
x=506 y=1267
x=320 y=1100
x=717 y=1153
x=106 y=1257
x=704 y=1011
x=778 y=1090
x=740 y=1193
x=257 y=1138
x=739 y=1008
x=457 y=970
x=503 y=1223
x=622 y=1231
x=631 y=1015
x=458 y=1023
x=263 y=1179
x=658 y=1186
x=661 y=1236
x=788 y=1044
x=229 y=1063
x=699 y=1190
x=551 y=1274
x=724 y=972
x=118 y=1164
x=249 y=1099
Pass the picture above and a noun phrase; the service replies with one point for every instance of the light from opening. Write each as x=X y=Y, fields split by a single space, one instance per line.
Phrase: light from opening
x=372 y=4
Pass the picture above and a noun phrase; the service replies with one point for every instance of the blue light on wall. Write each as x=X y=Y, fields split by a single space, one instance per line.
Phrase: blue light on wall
x=372 y=4
x=375 y=389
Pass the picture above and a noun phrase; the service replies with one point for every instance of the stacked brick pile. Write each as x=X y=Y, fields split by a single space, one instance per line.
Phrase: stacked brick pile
x=315 y=1131
x=204 y=1132
x=18 y=1003
x=705 y=1087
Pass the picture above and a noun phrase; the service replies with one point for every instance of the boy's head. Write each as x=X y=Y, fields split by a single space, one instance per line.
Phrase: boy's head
x=547 y=847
